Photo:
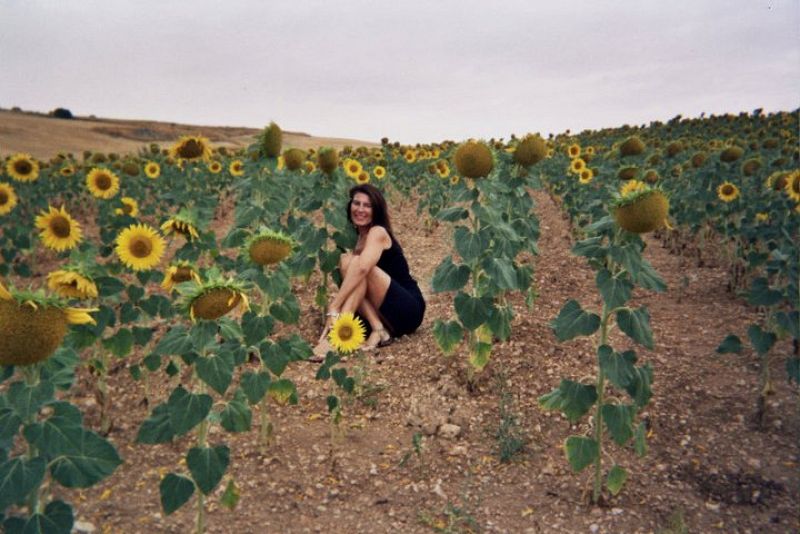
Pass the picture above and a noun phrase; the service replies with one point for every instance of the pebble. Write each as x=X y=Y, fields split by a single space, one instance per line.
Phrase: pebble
x=449 y=431
x=83 y=527
x=594 y=527
x=755 y=463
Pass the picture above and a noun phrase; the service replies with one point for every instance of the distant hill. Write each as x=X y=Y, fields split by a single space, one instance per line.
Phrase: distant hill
x=44 y=136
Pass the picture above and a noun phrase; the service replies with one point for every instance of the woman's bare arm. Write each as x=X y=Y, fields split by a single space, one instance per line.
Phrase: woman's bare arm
x=377 y=241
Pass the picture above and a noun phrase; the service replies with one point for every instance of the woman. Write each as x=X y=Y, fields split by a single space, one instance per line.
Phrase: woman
x=376 y=282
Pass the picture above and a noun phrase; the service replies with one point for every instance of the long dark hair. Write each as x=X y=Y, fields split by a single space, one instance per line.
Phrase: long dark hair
x=380 y=213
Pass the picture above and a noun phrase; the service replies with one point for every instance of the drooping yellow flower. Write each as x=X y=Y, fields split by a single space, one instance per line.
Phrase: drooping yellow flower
x=352 y=168
x=215 y=167
x=22 y=168
x=179 y=273
x=310 y=167
x=102 y=183
x=213 y=301
x=58 y=230
x=443 y=169
x=379 y=172
x=347 y=333
x=727 y=192
x=362 y=178
x=632 y=186
x=140 y=247
x=66 y=171
x=179 y=226
x=71 y=284
x=129 y=207
x=191 y=147
x=152 y=170
x=236 y=168
x=8 y=198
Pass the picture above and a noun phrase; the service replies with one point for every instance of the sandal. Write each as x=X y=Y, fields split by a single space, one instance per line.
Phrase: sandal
x=385 y=340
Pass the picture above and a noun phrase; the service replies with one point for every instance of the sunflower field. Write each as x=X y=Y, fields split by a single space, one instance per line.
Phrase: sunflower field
x=201 y=270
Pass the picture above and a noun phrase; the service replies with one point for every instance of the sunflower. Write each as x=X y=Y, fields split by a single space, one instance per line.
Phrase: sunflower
x=73 y=284
x=379 y=172
x=102 y=183
x=215 y=298
x=586 y=176
x=631 y=186
x=269 y=247
x=236 y=168
x=129 y=207
x=531 y=150
x=59 y=230
x=474 y=159
x=727 y=192
x=22 y=168
x=589 y=151
x=182 y=223
x=443 y=170
x=294 y=158
x=140 y=247
x=777 y=180
x=362 y=178
x=352 y=168
x=454 y=179
x=792 y=187
x=215 y=167
x=347 y=333
x=762 y=216
x=191 y=147
x=179 y=272
x=574 y=150
x=152 y=170
x=577 y=165
x=410 y=156
x=310 y=167
x=67 y=171
x=641 y=211
x=8 y=198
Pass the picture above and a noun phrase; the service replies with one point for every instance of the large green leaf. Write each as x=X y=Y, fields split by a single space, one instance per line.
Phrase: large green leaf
x=18 y=477
x=615 y=290
x=573 y=321
x=617 y=367
x=761 y=340
x=449 y=276
x=186 y=410
x=177 y=341
x=790 y=322
x=572 y=398
x=236 y=416
x=256 y=328
x=57 y=518
x=648 y=278
x=636 y=324
x=731 y=343
x=447 y=335
x=616 y=479
x=479 y=355
x=793 y=369
x=639 y=388
x=500 y=322
x=470 y=245
x=580 y=452
x=287 y=310
x=452 y=214
x=9 y=424
x=472 y=311
x=619 y=420
x=502 y=273
x=761 y=295
x=26 y=400
x=274 y=357
x=216 y=371
x=175 y=491
x=121 y=343
x=156 y=428
x=254 y=385
x=591 y=247
x=208 y=465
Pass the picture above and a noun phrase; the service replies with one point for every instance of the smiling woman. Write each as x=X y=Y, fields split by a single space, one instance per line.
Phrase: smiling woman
x=376 y=282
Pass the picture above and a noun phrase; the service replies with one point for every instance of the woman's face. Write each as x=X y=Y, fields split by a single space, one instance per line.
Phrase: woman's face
x=361 y=210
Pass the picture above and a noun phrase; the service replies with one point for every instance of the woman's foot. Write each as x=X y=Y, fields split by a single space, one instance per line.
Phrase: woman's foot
x=378 y=338
x=320 y=351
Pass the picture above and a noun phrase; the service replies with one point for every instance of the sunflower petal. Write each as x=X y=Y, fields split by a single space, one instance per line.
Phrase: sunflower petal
x=80 y=315
x=4 y=293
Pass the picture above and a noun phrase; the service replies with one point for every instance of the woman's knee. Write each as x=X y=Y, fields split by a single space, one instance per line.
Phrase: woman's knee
x=344 y=262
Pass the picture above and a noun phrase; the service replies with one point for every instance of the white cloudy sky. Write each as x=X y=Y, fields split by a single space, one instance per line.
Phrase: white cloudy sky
x=415 y=71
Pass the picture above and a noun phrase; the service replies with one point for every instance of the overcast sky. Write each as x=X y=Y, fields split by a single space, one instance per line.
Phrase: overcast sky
x=417 y=71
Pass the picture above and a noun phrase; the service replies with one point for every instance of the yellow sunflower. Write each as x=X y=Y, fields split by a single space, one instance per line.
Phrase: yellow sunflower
x=443 y=170
x=67 y=170
x=72 y=284
x=236 y=168
x=586 y=176
x=792 y=187
x=58 y=230
x=352 y=168
x=152 y=170
x=574 y=150
x=22 y=168
x=362 y=178
x=632 y=186
x=8 y=198
x=379 y=172
x=180 y=226
x=310 y=167
x=215 y=167
x=727 y=192
x=180 y=272
x=102 y=183
x=410 y=156
x=140 y=247
x=347 y=333
x=454 y=179
x=129 y=207
x=577 y=165
x=191 y=147
x=762 y=216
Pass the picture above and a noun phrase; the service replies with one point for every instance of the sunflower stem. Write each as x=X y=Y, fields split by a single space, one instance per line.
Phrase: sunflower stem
x=598 y=422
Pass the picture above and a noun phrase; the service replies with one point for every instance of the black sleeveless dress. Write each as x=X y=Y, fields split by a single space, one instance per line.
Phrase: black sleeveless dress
x=403 y=307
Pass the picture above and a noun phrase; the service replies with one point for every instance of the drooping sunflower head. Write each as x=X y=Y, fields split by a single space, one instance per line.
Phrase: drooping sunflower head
x=629 y=172
x=727 y=192
x=454 y=179
x=131 y=168
x=641 y=211
x=777 y=180
x=215 y=167
x=22 y=168
x=309 y=167
x=294 y=158
x=793 y=186
x=574 y=150
x=698 y=159
x=33 y=325
x=59 y=231
x=352 y=167
x=731 y=154
x=192 y=148
x=152 y=170
x=67 y=170
x=632 y=146
x=751 y=166
x=178 y=273
x=442 y=169
x=236 y=168
x=674 y=148
x=530 y=151
x=140 y=247
x=270 y=141
x=102 y=183
x=73 y=283
x=8 y=198
x=268 y=247
x=632 y=186
x=214 y=298
x=347 y=333
x=651 y=176
x=328 y=160
x=474 y=159
x=379 y=172
x=182 y=223
x=129 y=207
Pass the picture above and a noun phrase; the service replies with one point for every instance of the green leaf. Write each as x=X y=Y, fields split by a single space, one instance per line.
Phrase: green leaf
x=120 y=344
x=472 y=311
x=229 y=329
x=580 y=452
x=572 y=398
x=469 y=245
x=648 y=278
x=617 y=367
x=128 y=313
x=186 y=410
x=619 y=420
x=203 y=334
x=616 y=479
x=615 y=290
x=761 y=295
x=56 y=519
x=793 y=369
x=236 y=416
x=177 y=341
x=287 y=311
x=639 y=388
x=449 y=277
x=156 y=428
x=284 y=391
x=573 y=321
x=152 y=362
x=591 y=247
x=142 y=335
x=230 y=498
x=216 y=371
x=208 y=465
x=18 y=477
x=636 y=324
x=447 y=335
x=500 y=322
x=175 y=491
x=9 y=425
x=256 y=328
x=731 y=343
x=108 y=285
x=254 y=385
x=274 y=357
x=761 y=340
x=502 y=273
x=452 y=214
x=790 y=322
x=640 y=440
x=26 y=400
x=479 y=355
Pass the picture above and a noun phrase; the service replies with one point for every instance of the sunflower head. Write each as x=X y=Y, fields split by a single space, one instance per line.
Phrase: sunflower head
x=474 y=159
x=214 y=298
x=140 y=247
x=328 y=160
x=628 y=172
x=777 y=180
x=731 y=154
x=215 y=167
x=698 y=159
x=294 y=158
x=178 y=273
x=236 y=168
x=67 y=170
x=8 y=198
x=771 y=143
x=182 y=223
x=129 y=207
x=792 y=187
x=574 y=150
x=380 y=172
x=632 y=146
x=270 y=141
x=651 y=176
x=22 y=168
x=58 y=230
x=362 y=178
x=309 y=167
x=131 y=168
x=268 y=247
x=152 y=170
x=727 y=192
x=751 y=166
x=586 y=176
x=641 y=211
x=576 y=165
x=674 y=148
x=72 y=282
x=352 y=167
x=410 y=155
x=102 y=183
x=531 y=150
x=347 y=333
x=191 y=148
